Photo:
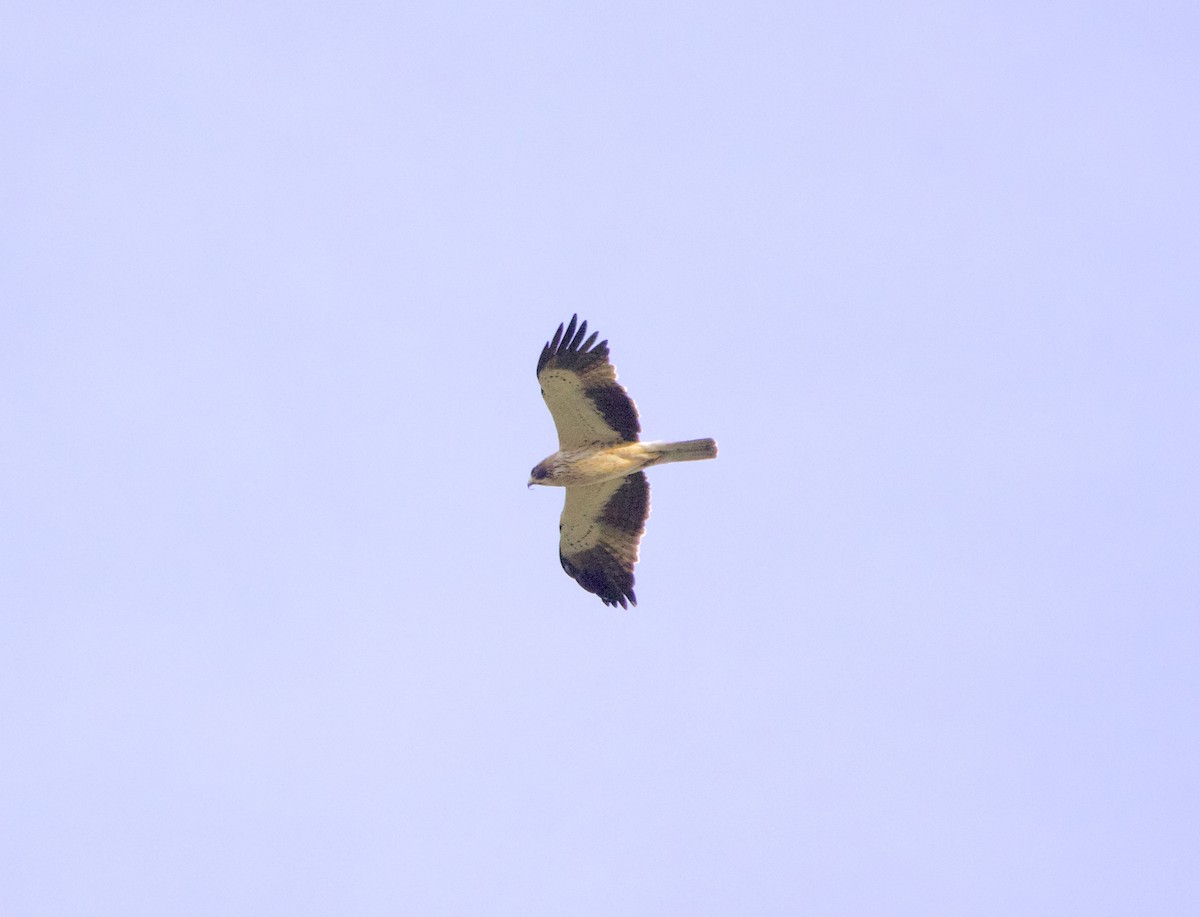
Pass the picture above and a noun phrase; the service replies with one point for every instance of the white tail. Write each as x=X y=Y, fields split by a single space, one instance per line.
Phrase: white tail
x=693 y=450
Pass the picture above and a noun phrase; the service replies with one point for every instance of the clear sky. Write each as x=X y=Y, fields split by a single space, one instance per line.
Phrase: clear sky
x=284 y=632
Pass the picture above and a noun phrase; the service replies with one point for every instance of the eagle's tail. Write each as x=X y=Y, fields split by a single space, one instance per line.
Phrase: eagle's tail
x=691 y=451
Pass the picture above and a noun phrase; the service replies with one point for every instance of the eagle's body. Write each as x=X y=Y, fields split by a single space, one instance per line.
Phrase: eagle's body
x=599 y=461
x=595 y=464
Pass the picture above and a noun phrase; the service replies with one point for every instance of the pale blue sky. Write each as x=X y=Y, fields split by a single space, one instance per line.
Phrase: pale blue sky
x=282 y=630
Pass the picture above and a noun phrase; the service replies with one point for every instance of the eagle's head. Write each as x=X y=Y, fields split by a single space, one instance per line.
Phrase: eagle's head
x=543 y=473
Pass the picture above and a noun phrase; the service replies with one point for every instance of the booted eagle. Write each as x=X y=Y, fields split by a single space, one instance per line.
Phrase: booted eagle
x=599 y=461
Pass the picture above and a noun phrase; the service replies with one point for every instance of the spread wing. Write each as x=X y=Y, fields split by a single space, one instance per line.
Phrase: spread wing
x=581 y=390
x=599 y=532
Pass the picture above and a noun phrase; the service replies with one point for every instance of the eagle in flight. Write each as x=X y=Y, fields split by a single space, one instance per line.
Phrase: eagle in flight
x=599 y=461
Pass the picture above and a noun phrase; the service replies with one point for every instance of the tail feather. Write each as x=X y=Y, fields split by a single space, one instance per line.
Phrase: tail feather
x=693 y=450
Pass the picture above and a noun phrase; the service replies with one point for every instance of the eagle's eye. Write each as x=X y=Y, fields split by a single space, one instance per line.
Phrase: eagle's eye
x=538 y=472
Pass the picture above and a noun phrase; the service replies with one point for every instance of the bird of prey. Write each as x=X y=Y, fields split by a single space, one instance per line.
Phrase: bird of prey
x=599 y=461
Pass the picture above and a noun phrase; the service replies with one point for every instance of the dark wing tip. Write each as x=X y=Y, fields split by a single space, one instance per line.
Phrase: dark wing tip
x=601 y=574
x=571 y=348
x=630 y=596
